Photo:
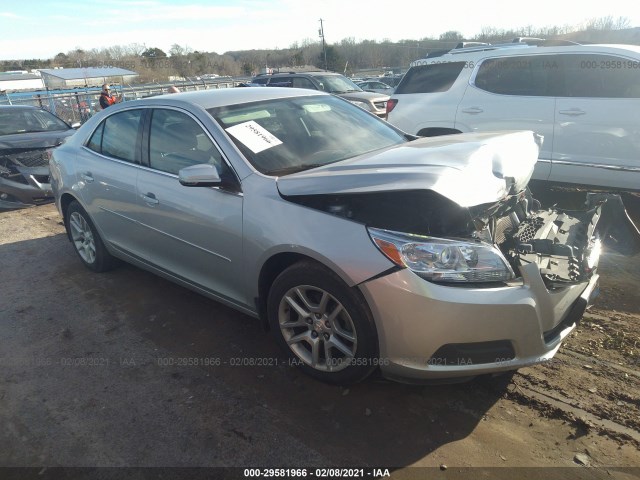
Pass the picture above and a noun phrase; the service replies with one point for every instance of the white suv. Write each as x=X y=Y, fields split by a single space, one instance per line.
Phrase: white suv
x=584 y=100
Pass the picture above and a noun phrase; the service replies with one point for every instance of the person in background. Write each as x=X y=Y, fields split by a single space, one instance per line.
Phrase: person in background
x=173 y=89
x=106 y=99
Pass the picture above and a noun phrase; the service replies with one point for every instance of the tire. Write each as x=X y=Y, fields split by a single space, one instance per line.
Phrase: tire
x=323 y=325
x=86 y=241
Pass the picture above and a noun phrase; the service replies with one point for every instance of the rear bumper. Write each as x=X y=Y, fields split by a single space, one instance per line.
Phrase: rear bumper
x=429 y=331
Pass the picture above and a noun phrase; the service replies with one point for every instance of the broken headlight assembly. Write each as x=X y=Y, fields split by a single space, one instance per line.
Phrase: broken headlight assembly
x=443 y=260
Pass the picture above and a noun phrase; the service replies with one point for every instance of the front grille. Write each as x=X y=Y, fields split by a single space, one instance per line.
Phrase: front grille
x=33 y=158
x=528 y=229
x=473 y=353
x=504 y=227
x=42 y=178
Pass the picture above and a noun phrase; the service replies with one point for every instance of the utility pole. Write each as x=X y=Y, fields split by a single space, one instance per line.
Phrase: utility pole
x=324 y=50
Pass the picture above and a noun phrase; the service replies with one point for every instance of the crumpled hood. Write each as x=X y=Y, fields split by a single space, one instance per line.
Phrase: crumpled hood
x=371 y=96
x=469 y=169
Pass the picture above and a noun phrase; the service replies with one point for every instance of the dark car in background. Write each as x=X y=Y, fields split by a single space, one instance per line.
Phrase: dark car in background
x=27 y=136
x=375 y=86
x=329 y=82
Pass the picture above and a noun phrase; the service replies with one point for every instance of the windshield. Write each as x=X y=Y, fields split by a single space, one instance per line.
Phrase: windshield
x=288 y=135
x=28 y=121
x=337 y=84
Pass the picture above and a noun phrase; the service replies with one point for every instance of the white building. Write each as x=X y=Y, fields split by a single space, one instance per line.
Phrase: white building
x=55 y=78
x=20 y=81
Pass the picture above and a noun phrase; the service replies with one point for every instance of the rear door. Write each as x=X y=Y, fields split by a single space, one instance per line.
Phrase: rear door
x=513 y=93
x=597 y=129
x=108 y=166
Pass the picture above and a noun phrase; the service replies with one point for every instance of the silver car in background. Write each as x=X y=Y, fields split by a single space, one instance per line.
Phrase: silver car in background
x=359 y=246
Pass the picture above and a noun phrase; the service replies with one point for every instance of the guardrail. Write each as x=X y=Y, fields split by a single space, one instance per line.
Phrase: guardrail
x=78 y=105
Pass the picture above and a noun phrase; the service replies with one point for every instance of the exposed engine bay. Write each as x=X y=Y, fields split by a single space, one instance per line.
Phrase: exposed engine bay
x=565 y=245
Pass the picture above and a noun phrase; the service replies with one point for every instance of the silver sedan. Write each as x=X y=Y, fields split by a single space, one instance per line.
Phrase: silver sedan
x=359 y=246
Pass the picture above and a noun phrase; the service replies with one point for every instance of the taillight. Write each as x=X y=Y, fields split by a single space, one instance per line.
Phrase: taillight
x=391 y=104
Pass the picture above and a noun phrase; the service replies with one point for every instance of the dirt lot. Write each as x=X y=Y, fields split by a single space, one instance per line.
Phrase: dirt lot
x=126 y=369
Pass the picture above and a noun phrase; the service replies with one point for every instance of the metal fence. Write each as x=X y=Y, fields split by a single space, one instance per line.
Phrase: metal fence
x=78 y=105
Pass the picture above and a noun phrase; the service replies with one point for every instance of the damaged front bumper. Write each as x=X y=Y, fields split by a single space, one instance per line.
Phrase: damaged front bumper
x=25 y=180
x=435 y=331
x=430 y=330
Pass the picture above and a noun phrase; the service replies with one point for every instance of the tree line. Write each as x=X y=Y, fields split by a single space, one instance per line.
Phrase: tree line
x=348 y=56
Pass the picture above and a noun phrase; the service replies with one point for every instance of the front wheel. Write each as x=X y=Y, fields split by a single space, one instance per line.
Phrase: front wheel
x=325 y=326
x=85 y=239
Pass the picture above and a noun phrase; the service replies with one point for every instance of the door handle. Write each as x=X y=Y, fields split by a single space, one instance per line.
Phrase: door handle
x=149 y=198
x=472 y=110
x=87 y=177
x=574 y=112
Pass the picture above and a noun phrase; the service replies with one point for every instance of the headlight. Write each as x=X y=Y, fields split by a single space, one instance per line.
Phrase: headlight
x=443 y=260
x=363 y=105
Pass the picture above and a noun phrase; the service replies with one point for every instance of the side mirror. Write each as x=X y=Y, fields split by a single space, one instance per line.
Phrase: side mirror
x=203 y=175
x=76 y=125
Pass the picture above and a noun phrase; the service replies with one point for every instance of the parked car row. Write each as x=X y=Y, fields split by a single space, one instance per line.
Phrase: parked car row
x=359 y=246
x=329 y=82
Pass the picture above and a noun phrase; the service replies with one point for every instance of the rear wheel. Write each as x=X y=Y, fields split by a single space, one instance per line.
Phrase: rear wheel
x=324 y=325
x=86 y=241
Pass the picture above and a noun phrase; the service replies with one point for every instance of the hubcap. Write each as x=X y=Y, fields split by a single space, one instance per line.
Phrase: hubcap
x=82 y=237
x=317 y=328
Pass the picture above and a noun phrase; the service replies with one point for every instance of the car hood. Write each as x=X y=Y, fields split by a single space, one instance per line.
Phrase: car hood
x=33 y=140
x=469 y=169
x=367 y=96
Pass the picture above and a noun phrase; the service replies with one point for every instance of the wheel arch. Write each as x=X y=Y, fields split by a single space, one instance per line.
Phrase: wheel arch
x=278 y=263
x=65 y=201
x=271 y=268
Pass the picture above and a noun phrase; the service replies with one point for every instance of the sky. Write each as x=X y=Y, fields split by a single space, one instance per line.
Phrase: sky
x=41 y=29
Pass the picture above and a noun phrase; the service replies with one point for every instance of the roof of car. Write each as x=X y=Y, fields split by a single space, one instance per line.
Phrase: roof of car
x=298 y=74
x=314 y=74
x=509 y=49
x=226 y=96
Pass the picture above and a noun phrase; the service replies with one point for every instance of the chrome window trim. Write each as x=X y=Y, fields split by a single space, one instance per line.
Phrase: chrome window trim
x=621 y=168
x=168 y=107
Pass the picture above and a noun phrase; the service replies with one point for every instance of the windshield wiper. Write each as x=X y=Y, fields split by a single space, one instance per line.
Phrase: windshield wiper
x=293 y=169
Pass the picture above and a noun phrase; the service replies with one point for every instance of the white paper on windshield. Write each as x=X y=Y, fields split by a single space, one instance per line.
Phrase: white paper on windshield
x=253 y=136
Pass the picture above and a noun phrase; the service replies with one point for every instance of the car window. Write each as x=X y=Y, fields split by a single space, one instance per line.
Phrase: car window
x=176 y=141
x=436 y=77
x=602 y=76
x=287 y=135
x=533 y=75
x=14 y=121
x=336 y=84
x=280 y=82
x=117 y=136
x=301 y=82
x=95 y=143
